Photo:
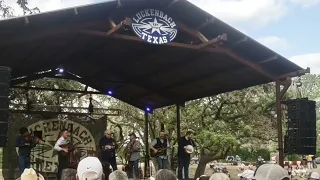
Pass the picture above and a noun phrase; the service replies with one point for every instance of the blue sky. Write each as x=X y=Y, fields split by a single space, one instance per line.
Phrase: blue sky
x=290 y=27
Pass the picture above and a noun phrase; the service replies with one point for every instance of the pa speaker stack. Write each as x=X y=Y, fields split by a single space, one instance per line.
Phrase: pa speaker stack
x=5 y=77
x=301 y=136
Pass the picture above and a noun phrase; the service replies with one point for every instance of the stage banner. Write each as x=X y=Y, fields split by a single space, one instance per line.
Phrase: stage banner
x=85 y=136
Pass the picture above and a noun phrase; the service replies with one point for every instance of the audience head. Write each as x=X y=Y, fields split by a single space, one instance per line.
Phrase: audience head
x=90 y=168
x=31 y=174
x=270 y=172
x=69 y=174
x=314 y=176
x=247 y=174
x=219 y=176
x=118 y=175
x=165 y=174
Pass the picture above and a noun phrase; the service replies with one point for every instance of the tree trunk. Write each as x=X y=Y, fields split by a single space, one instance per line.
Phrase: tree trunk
x=205 y=159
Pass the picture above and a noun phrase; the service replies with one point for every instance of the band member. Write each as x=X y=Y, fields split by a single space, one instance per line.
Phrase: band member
x=25 y=143
x=133 y=156
x=62 y=160
x=108 y=147
x=159 y=147
x=184 y=154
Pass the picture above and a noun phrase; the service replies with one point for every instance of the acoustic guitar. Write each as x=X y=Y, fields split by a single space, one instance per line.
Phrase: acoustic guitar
x=159 y=150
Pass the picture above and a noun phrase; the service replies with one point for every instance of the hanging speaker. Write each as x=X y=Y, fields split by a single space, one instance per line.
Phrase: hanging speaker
x=5 y=77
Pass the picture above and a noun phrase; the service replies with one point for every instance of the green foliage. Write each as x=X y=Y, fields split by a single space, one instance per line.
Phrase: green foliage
x=252 y=154
x=215 y=142
x=294 y=157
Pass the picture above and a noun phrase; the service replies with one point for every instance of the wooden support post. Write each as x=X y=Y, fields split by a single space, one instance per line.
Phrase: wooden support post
x=178 y=121
x=279 y=96
x=146 y=143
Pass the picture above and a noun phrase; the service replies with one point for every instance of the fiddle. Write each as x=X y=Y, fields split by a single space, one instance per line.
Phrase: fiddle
x=33 y=139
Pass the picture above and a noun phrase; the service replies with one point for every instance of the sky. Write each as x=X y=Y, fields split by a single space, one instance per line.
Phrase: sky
x=289 y=27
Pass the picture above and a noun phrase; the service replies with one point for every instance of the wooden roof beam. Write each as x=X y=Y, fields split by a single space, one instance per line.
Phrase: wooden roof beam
x=193 y=32
x=294 y=74
x=224 y=50
x=216 y=40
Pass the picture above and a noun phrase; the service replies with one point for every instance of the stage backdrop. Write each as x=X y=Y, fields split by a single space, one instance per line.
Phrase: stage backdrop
x=86 y=135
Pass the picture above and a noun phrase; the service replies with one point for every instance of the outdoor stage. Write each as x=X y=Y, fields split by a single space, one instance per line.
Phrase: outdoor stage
x=149 y=53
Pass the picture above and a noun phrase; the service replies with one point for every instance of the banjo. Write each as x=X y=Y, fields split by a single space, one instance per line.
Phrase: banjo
x=189 y=149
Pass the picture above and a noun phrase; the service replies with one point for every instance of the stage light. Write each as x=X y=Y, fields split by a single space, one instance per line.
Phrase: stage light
x=110 y=92
x=60 y=70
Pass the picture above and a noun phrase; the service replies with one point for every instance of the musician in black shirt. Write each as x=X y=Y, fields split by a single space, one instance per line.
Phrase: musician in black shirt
x=108 y=147
x=184 y=154
x=25 y=143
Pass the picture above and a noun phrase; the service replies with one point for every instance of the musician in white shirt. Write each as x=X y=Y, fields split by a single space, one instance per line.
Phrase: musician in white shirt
x=62 y=160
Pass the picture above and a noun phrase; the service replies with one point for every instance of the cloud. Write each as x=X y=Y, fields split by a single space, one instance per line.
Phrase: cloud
x=306 y=3
x=274 y=42
x=244 y=13
x=308 y=60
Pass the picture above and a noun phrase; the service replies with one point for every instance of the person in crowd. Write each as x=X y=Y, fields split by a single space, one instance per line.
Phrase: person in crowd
x=118 y=175
x=31 y=174
x=165 y=174
x=62 y=159
x=185 y=147
x=271 y=172
x=90 y=168
x=133 y=156
x=309 y=161
x=108 y=147
x=314 y=164
x=314 y=176
x=69 y=174
x=246 y=175
x=159 y=147
x=219 y=176
x=25 y=143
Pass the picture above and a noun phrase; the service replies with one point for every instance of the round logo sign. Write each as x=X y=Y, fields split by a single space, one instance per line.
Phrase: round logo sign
x=154 y=26
x=44 y=153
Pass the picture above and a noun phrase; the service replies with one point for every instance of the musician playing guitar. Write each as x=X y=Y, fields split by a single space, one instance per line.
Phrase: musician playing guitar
x=132 y=154
x=184 y=152
x=63 y=161
x=108 y=147
x=159 y=148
